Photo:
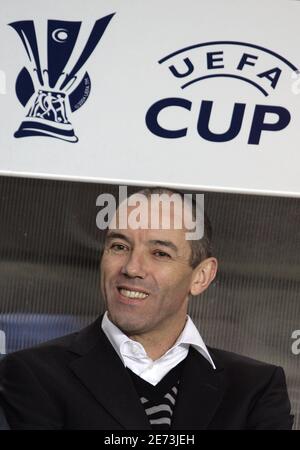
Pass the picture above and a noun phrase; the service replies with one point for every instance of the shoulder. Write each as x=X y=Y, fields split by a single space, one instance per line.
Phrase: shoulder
x=57 y=352
x=234 y=360
x=44 y=357
x=247 y=370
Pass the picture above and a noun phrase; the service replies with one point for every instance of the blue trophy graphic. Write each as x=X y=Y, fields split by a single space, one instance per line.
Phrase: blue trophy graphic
x=51 y=93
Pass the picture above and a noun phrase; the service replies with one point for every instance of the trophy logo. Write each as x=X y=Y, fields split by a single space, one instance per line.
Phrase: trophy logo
x=52 y=92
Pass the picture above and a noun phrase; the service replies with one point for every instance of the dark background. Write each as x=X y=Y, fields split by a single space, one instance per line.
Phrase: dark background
x=49 y=283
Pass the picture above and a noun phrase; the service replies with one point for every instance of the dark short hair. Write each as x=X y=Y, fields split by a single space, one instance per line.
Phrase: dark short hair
x=200 y=248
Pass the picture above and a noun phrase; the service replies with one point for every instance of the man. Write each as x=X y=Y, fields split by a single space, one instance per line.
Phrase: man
x=144 y=365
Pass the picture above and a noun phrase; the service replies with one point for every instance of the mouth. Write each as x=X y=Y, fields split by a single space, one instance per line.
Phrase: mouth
x=132 y=293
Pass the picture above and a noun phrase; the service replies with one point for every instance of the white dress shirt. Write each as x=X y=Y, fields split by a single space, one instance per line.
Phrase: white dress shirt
x=134 y=356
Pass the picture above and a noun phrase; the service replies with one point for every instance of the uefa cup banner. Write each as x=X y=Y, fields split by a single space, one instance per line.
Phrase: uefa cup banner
x=201 y=94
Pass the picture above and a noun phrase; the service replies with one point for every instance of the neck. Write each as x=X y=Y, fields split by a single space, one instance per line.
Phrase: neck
x=156 y=344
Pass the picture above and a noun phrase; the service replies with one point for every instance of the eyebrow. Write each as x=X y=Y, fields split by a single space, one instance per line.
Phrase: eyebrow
x=114 y=235
x=169 y=244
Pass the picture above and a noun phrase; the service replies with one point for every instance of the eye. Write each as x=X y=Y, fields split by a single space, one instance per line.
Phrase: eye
x=161 y=254
x=118 y=248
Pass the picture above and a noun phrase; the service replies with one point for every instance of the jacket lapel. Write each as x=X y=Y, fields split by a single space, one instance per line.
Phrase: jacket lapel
x=102 y=372
x=200 y=393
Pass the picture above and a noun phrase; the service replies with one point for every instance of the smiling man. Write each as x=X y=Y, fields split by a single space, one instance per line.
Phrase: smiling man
x=144 y=365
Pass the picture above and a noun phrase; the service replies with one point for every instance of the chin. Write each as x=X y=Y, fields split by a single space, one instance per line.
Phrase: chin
x=128 y=325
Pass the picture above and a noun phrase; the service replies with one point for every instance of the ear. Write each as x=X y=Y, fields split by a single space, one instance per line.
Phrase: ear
x=203 y=275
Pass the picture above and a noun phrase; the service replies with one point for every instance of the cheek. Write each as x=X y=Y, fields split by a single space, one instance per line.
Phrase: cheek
x=175 y=284
x=106 y=274
x=110 y=266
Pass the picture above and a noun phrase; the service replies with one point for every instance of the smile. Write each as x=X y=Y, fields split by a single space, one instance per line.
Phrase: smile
x=132 y=294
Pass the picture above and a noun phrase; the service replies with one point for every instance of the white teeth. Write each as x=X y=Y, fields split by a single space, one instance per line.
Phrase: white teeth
x=133 y=294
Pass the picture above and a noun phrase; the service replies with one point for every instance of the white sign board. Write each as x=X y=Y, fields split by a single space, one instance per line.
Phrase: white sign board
x=195 y=94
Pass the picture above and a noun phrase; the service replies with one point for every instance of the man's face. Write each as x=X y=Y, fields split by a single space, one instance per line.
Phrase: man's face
x=146 y=278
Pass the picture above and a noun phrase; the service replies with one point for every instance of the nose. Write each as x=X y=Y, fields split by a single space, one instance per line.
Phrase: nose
x=134 y=265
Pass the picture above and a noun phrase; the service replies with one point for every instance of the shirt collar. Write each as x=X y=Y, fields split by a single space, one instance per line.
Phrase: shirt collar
x=189 y=336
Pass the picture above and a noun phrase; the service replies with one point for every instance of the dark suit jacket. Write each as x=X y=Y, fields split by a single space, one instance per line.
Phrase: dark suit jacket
x=3 y=422
x=79 y=382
